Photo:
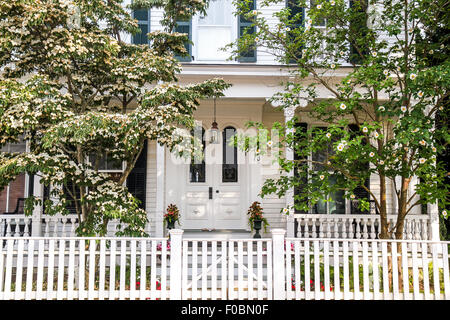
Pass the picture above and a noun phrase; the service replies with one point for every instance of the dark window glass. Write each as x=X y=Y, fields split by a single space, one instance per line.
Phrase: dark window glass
x=106 y=162
x=336 y=203
x=70 y=190
x=141 y=14
x=325 y=153
x=321 y=22
x=229 y=165
x=197 y=172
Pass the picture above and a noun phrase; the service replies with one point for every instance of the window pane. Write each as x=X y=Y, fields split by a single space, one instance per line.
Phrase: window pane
x=197 y=168
x=320 y=207
x=229 y=166
x=295 y=9
x=247 y=30
x=251 y=7
x=219 y=13
x=141 y=14
x=15 y=147
x=141 y=38
x=318 y=22
x=105 y=162
x=337 y=203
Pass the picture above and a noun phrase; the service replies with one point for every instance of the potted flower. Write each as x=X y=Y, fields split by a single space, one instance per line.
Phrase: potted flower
x=256 y=219
x=172 y=215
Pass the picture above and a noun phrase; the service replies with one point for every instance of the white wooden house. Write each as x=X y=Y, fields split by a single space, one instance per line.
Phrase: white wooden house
x=216 y=195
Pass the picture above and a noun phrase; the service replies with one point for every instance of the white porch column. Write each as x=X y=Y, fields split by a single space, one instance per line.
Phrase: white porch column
x=38 y=192
x=288 y=116
x=160 y=189
x=433 y=211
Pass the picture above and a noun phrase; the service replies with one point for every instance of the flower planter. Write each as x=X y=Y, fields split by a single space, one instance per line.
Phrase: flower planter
x=257 y=226
x=170 y=225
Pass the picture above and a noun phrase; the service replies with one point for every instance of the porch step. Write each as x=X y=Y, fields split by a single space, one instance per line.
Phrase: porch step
x=217 y=234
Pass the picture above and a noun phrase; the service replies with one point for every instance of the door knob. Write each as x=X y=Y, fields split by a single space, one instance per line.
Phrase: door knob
x=217 y=191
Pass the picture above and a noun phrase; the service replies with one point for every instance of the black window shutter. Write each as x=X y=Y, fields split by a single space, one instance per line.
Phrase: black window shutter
x=143 y=18
x=295 y=9
x=359 y=192
x=300 y=128
x=185 y=27
x=137 y=179
x=245 y=27
x=359 y=25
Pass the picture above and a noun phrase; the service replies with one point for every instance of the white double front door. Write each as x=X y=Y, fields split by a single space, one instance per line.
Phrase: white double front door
x=213 y=189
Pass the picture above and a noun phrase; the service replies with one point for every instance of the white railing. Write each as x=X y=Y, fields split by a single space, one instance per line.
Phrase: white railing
x=46 y=226
x=268 y=268
x=358 y=226
x=15 y=225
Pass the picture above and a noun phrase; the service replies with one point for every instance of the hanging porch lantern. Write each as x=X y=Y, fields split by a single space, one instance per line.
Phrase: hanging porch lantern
x=214 y=131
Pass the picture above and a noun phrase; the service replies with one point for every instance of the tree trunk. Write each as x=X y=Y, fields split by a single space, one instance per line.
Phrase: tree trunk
x=384 y=232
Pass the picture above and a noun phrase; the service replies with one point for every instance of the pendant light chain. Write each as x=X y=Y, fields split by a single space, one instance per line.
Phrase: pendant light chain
x=214 y=109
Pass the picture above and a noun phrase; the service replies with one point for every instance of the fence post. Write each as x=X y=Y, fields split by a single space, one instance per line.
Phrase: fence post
x=433 y=211
x=176 y=237
x=279 y=287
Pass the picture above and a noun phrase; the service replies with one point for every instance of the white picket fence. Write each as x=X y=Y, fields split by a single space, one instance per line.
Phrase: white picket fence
x=181 y=268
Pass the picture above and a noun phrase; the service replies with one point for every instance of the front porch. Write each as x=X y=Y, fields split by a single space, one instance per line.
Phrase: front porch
x=417 y=227
x=216 y=195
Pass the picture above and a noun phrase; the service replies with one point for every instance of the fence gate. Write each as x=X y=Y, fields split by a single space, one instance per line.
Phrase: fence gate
x=227 y=269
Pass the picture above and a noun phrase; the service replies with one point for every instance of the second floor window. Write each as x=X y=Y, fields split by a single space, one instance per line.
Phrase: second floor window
x=214 y=31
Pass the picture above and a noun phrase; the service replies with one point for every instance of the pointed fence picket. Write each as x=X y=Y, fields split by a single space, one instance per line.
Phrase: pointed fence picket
x=176 y=268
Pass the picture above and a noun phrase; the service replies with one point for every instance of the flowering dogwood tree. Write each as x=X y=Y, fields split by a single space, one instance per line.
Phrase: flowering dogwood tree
x=77 y=91
x=382 y=100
